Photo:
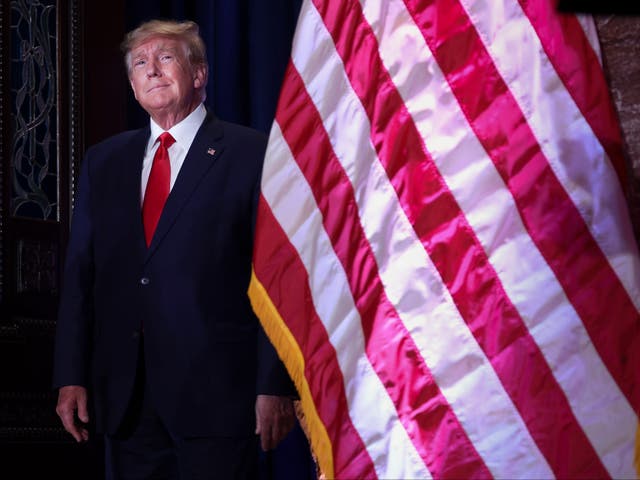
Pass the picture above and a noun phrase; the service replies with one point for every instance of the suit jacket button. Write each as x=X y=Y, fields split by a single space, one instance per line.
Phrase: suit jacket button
x=144 y=281
x=135 y=335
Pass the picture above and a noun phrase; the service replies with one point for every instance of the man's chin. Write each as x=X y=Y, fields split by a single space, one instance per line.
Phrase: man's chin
x=157 y=106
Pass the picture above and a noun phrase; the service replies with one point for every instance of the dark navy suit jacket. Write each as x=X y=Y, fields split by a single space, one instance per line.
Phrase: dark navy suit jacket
x=206 y=355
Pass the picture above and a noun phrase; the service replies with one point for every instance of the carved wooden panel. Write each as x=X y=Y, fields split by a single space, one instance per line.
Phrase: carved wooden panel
x=34 y=173
x=40 y=118
x=46 y=46
x=36 y=267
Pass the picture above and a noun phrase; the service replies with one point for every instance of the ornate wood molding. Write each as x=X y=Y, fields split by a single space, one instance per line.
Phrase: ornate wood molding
x=40 y=41
x=3 y=141
x=76 y=140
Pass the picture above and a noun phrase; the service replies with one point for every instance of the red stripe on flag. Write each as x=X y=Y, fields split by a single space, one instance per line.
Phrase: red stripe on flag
x=586 y=85
x=459 y=257
x=551 y=218
x=424 y=412
x=281 y=271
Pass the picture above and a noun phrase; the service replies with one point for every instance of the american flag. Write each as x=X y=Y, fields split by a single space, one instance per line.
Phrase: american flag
x=444 y=256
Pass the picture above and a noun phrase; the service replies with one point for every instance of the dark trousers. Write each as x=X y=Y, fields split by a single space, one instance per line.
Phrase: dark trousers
x=143 y=448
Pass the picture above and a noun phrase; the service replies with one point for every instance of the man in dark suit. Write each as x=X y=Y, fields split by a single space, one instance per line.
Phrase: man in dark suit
x=155 y=330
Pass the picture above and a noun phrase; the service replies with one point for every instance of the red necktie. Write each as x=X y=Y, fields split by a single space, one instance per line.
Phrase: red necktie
x=157 y=190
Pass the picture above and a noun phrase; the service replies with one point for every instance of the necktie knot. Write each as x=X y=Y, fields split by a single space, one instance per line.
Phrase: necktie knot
x=166 y=140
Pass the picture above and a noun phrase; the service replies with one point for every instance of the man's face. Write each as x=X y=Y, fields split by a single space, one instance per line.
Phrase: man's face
x=163 y=81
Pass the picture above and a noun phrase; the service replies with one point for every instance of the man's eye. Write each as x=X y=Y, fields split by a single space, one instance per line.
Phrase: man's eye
x=166 y=58
x=138 y=63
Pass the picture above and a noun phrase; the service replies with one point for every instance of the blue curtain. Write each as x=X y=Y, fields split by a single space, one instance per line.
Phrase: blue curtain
x=248 y=45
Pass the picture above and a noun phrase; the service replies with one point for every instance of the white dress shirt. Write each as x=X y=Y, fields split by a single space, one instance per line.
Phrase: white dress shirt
x=183 y=132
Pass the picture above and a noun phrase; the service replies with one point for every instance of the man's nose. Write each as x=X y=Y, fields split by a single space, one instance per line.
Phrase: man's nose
x=152 y=69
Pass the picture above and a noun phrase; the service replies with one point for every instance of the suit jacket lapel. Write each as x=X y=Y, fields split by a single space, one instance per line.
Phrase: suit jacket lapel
x=207 y=146
x=133 y=156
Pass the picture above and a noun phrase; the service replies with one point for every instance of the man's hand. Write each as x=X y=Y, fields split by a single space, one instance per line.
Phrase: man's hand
x=72 y=399
x=275 y=418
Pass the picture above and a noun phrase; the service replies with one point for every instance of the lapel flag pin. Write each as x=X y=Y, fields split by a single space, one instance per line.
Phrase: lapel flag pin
x=211 y=151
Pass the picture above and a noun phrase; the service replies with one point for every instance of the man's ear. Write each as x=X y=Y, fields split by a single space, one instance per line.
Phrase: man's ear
x=199 y=75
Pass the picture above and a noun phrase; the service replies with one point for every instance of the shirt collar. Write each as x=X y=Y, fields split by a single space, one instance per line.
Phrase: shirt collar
x=184 y=131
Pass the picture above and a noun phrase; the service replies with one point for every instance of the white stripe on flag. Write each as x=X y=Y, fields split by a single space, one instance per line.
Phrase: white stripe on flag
x=440 y=272
x=591 y=32
x=490 y=210
x=461 y=369
x=562 y=132
x=370 y=408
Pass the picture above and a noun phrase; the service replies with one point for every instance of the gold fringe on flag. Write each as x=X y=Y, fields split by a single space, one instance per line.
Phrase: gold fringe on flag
x=305 y=428
x=292 y=357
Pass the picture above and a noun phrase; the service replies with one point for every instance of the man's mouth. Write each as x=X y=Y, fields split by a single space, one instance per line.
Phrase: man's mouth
x=156 y=87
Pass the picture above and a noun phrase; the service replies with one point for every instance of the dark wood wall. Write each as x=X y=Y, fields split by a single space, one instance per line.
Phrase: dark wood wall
x=79 y=98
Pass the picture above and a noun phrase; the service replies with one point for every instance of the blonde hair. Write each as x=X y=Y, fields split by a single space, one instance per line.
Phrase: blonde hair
x=186 y=31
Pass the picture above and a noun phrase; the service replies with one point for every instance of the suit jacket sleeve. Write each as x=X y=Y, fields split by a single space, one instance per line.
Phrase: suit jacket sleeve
x=74 y=323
